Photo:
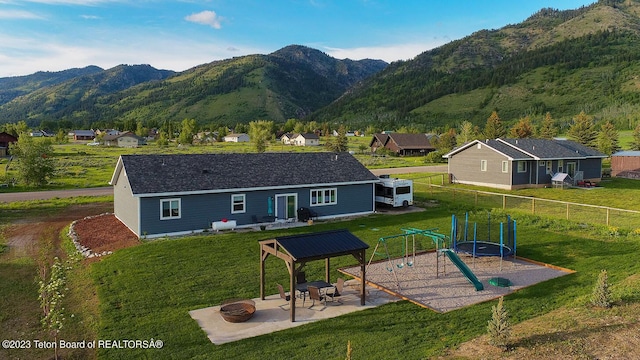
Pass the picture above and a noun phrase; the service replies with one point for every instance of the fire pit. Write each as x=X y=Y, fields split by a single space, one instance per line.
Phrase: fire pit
x=237 y=310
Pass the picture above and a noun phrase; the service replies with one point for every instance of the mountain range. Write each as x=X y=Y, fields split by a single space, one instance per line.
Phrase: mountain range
x=561 y=62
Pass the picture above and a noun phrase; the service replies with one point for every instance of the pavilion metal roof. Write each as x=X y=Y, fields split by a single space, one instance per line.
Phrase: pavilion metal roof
x=321 y=245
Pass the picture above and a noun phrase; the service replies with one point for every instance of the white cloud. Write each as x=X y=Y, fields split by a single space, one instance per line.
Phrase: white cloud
x=24 y=56
x=206 y=17
x=388 y=53
x=18 y=14
x=90 y=17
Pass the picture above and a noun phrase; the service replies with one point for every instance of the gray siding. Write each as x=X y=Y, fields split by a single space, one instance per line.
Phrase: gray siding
x=125 y=206
x=465 y=166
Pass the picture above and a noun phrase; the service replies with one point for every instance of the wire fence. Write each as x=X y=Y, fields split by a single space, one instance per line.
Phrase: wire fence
x=435 y=187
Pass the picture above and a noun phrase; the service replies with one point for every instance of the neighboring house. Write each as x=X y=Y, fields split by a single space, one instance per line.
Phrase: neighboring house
x=236 y=138
x=125 y=139
x=403 y=144
x=626 y=164
x=348 y=133
x=107 y=132
x=157 y=195
x=522 y=163
x=40 y=133
x=83 y=135
x=287 y=138
x=306 y=139
x=5 y=140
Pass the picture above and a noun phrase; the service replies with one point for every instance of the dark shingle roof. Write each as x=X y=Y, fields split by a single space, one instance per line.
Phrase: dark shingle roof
x=553 y=149
x=321 y=245
x=536 y=149
x=411 y=141
x=152 y=174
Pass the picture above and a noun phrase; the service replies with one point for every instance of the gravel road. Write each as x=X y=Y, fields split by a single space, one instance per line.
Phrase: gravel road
x=108 y=190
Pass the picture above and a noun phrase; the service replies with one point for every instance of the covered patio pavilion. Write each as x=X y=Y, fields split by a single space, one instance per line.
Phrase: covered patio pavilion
x=297 y=250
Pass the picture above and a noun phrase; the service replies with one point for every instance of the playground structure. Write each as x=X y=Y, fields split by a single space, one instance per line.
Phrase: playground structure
x=408 y=249
x=495 y=238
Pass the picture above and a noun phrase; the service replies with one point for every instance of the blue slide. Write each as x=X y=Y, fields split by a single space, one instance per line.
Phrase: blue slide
x=464 y=269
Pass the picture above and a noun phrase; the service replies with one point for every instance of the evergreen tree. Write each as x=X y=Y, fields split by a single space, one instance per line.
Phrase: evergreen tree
x=467 y=133
x=523 y=129
x=549 y=128
x=498 y=327
x=635 y=144
x=494 y=128
x=339 y=143
x=261 y=132
x=608 y=139
x=601 y=295
x=582 y=130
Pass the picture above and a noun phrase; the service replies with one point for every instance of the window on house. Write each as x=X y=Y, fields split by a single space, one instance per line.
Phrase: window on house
x=483 y=165
x=323 y=197
x=522 y=166
x=238 y=203
x=560 y=166
x=542 y=163
x=170 y=209
x=505 y=166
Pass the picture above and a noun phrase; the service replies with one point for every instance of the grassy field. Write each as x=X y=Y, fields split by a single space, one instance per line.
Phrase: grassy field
x=147 y=291
x=81 y=166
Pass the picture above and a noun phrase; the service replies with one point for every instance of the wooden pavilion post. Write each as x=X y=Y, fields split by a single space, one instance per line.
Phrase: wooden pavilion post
x=363 y=271
x=292 y=290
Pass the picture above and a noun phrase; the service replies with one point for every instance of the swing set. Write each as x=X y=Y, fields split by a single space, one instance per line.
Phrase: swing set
x=408 y=258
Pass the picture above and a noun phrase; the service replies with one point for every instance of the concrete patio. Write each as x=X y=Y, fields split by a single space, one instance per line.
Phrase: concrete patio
x=272 y=314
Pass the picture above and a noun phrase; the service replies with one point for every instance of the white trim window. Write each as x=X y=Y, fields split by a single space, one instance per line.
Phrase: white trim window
x=522 y=166
x=170 y=209
x=483 y=165
x=321 y=197
x=505 y=166
x=238 y=203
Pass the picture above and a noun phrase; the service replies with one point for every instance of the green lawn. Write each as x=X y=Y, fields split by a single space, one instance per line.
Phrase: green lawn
x=146 y=292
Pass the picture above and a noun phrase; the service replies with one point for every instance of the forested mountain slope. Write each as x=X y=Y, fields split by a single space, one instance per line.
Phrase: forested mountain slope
x=289 y=83
x=561 y=62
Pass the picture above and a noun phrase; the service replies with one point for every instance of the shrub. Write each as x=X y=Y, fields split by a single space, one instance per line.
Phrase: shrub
x=601 y=296
x=498 y=327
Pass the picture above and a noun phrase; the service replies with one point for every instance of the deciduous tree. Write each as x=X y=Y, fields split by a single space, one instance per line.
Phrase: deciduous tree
x=34 y=162
x=635 y=144
x=261 y=132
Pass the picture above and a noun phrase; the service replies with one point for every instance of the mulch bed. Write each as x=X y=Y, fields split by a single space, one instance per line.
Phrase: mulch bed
x=103 y=233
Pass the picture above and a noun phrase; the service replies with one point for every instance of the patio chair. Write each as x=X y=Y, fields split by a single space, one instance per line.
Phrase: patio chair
x=314 y=294
x=336 y=290
x=284 y=296
x=301 y=277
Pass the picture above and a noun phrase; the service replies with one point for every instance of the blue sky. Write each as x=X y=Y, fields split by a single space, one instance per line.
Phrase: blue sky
x=53 y=35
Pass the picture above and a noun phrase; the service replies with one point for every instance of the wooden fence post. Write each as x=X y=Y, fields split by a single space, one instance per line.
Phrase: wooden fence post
x=533 y=206
x=567 y=211
x=504 y=202
x=607 y=216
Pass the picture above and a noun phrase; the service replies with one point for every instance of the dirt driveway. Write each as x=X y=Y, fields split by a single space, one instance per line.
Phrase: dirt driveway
x=22 y=235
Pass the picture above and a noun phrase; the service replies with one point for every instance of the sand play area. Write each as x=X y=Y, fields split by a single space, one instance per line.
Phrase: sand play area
x=450 y=289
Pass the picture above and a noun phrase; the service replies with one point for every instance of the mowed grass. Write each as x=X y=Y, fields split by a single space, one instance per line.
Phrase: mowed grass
x=146 y=292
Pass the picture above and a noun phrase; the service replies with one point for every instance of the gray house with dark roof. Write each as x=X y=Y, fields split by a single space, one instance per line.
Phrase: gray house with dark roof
x=522 y=163
x=157 y=195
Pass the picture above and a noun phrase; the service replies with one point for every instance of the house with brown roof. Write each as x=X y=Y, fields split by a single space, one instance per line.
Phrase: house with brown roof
x=5 y=140
x=403 y=144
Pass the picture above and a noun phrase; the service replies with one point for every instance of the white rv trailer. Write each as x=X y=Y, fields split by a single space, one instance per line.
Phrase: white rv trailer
x=395 y=192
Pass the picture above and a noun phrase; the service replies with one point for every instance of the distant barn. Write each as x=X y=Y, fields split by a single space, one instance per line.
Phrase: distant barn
x=626 y=164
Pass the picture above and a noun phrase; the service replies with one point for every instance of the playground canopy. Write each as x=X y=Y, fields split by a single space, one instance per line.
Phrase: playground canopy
x=297 y=250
